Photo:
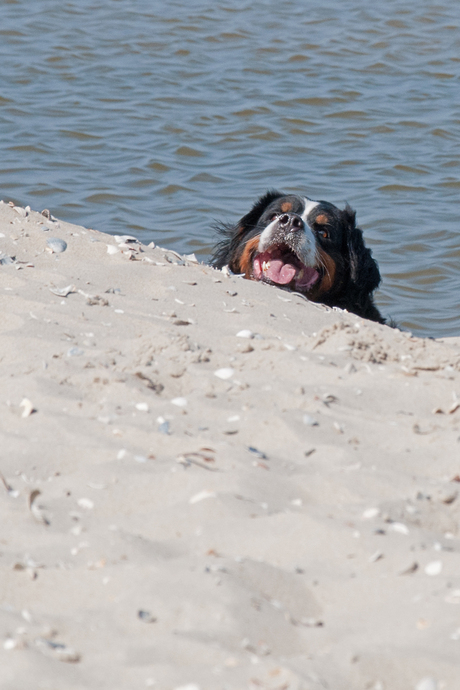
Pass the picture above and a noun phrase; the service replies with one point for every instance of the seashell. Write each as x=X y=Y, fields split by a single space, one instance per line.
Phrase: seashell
x=180 y=402
x=225 y=373
x=86 y=503
x=370 y=513
x=245 y=334
x=201 y=496
x=163 y=425
x=191 y=258
x=433 y=568
x=35 y=509
x=399 y=527
x=22 y=211
x=27 y=406
x=10 y=643
x=75 y=352
x=6 y=260
x=111 y=249
x=142 y=407
x=164 y=428
x=56 y=245
x=57 y=650
x=309 y=420
x=63 y=292
x=124 y=238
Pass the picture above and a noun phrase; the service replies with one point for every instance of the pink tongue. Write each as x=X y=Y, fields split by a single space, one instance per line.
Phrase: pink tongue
x=308 y=279
x=280 y=272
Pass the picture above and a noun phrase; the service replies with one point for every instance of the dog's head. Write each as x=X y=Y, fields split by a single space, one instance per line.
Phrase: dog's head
x=311 y=247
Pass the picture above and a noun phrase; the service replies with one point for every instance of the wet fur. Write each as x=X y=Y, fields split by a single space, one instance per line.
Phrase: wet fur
x=356 y=273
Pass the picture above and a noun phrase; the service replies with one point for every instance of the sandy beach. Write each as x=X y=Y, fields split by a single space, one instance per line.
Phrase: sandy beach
x=208 y=483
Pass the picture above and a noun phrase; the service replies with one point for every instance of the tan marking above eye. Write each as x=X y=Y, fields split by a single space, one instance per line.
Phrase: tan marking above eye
x=322 y=219
x=287 y=206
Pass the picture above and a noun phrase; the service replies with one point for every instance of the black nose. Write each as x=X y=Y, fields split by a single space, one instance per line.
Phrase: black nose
x=290 y=221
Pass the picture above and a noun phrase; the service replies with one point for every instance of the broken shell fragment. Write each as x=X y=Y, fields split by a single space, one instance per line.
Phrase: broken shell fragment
x=179 y=402
x=57 y=650
x=36 y=510
x=27 y=406
x=63 y=292
x=225 y=373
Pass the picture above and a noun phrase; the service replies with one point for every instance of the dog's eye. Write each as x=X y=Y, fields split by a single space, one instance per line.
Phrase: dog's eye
x=322 y=232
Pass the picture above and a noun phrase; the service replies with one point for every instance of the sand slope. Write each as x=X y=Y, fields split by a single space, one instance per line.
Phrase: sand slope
x=185 y=507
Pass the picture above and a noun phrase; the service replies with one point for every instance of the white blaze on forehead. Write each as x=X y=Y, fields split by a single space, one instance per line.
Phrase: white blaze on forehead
x=266 y=236
x=309 y=206
x=306 y=250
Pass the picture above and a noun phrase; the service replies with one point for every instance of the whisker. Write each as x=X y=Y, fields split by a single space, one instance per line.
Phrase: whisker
x=323 y=265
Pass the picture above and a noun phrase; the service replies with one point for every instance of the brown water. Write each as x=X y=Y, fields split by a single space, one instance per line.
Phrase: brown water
x=156 y=118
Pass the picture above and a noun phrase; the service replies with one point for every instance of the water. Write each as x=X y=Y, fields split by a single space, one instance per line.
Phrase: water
x=155 y=119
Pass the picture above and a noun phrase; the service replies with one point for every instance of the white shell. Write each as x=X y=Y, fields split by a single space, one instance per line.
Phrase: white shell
x=399 y=527
x=245 y=334
x=225 y=373
x=124 y=238
x=56 y=245
x=27 y=406
x=63 y=292
x=433 y=568
x=180 y=402
x=191 y=258
x=370 y=513
x=86 y=503
x=142 y=407
x=201 y=496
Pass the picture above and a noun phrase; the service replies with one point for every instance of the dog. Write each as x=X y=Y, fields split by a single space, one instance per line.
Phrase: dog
x=309 y=247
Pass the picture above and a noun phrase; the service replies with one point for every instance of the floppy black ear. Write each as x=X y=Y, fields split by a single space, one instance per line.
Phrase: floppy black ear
x=232 y=235
x=364 y=272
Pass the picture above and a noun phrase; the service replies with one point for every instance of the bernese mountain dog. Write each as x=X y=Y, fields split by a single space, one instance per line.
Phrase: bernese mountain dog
x=310 y=247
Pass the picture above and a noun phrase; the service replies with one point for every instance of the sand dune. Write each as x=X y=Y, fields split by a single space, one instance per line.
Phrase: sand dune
x=209 y=483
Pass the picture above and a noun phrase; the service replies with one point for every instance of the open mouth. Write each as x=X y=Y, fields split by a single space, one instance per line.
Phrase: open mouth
x=281 y=266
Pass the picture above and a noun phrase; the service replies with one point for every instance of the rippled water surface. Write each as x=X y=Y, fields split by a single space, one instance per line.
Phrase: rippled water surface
x=156 y=118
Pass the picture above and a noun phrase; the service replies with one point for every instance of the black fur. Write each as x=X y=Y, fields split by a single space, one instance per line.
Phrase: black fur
x=357 y=274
